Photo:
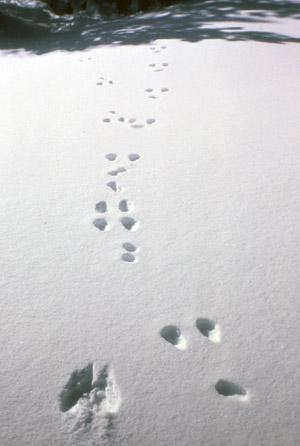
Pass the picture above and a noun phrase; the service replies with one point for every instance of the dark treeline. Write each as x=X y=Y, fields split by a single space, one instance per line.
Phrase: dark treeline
x=62 y=7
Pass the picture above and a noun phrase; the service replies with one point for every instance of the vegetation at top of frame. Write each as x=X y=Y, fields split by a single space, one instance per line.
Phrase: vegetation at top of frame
x=62 y=7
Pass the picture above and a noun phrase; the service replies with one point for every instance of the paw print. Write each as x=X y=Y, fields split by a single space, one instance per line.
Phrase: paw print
x=90 y=399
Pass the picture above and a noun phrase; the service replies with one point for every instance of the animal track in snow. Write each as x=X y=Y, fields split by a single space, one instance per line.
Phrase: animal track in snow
x=128 y=257
x=101 y=224
x=158 y=67
x=101 y=207
x=89 y=397
x=157 y=49
x=78 y=385
x=153 y=94
x=125 y=206
x=113 y=185
x=132 y=122
x=102 y=81
x=133 y=157
x=150 y=121
x=172 y=334
x=117 y=171
x=228 y=388
x=111 y=156
x=209 y=329
x=129 y=223
x=130 y=247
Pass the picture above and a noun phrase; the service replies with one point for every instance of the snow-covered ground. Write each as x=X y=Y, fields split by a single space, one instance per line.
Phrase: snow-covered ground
x=150 y=243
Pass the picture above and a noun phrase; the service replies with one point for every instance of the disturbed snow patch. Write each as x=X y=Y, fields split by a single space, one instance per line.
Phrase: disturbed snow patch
x=90 y=401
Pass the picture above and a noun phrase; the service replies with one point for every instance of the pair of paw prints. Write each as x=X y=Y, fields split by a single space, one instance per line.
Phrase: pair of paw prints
x=129 y=255
x=114 y=156
x=158 y=67
x=154 y=94
x=132 y=122
x=157 y=49
x=209 y=329
x=123 y=206
x=128 y=223
x=206 y=327
x=102 y=81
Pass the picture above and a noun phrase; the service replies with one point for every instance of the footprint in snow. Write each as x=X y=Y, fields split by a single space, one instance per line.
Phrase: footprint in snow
x=101 y=207
x=116 y=172
x=130 y=247
x=101 y=224
x=134 y=157
x=90 y=399
x=114 y=186
x=209 y=329
x=125 y=206
x=128 y=257
x=173 y=335
x=129 y=223
x=111 y=156
x=102 y=81
x=231 y=389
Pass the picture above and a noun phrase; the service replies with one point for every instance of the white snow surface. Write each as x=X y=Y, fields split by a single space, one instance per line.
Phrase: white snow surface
x=214 y=198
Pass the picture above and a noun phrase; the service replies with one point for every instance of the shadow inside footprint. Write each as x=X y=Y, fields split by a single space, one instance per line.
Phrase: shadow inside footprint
x=209 y=329
x=101 y=224
x=113 y=185
x=128 y=257
x=101 y=207
x=117 y=171
x=129 y=247
x=111 y=156
x=78 y=385
x=228 y=388
x=125 y=206
x=172 y=334
x=133 y=157
x=150 y=121
x=129 y=223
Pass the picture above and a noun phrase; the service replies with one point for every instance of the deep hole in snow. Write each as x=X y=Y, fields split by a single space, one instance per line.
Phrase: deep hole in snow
x=101 y=207
x=101 y=224
x=124 y=206
x=228 y=388
x=80 y=384
x=171 y=334
x=205 y=326
x=129 y=223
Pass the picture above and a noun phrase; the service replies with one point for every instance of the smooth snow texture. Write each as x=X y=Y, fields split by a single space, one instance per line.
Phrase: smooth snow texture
x=209 y=230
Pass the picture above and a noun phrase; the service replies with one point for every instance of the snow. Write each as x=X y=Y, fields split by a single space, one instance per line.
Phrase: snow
x=200 y=223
